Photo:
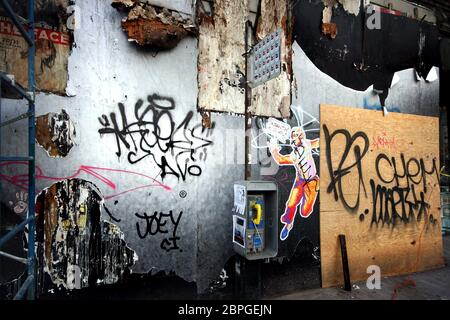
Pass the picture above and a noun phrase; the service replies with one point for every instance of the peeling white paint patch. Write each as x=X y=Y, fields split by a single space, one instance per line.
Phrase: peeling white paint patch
x=432 y=75
x=351 y=6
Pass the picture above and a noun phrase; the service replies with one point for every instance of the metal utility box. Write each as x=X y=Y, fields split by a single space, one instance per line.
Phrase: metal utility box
x=255 y=219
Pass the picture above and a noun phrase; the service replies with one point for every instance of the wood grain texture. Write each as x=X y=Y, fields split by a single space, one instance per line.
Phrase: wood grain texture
x=397 y=245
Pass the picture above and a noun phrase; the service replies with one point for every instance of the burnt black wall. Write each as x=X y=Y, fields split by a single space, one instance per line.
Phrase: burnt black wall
x=394 y=47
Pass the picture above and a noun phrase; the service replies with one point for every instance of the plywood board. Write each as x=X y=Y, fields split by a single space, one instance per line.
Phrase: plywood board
x=380 y=187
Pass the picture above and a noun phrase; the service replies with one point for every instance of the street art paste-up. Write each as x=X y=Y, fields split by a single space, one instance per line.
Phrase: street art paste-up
x=305 y=188
x=20 y=204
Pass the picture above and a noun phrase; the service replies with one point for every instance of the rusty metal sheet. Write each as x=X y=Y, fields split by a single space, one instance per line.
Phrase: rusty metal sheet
x=273 y=99
x=53 y=44
x=221 y=64
x=154 y=26
x=329 y=29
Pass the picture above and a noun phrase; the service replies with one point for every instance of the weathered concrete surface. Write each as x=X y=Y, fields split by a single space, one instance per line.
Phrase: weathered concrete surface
x=429 y=285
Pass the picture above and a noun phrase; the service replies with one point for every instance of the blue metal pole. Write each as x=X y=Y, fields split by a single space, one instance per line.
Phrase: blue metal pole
x=1 y=191
x=14 y=231
x=9 y=11
x=31 y=153
x=27 y=285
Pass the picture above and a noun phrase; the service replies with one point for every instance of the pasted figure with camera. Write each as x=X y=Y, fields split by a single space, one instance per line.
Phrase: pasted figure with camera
x=306 y=185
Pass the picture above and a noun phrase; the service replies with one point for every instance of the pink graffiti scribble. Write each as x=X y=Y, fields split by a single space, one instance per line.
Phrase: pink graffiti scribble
x=382 y=140
x=21 y=180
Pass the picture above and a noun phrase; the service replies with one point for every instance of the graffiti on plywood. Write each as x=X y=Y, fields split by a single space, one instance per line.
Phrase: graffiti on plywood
x=380 y=188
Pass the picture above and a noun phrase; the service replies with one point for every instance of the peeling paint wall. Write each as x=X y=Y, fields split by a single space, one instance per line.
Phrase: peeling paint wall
x=407 y=96
x=55 y=132
x=221 y=64
x=222 y=48
x=166 y=180
x=75 y=246
x=106 y=71
x=350 y=6
x=273 y=98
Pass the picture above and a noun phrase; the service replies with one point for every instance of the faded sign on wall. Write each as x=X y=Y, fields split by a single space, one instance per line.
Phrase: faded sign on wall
x=53 y=44
x=380 y=188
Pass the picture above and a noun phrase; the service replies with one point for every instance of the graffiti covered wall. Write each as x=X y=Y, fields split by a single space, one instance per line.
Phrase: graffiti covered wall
x=380 y=188
x=165 y=179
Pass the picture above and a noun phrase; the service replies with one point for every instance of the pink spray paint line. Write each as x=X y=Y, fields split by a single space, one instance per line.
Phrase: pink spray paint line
x=21 y=180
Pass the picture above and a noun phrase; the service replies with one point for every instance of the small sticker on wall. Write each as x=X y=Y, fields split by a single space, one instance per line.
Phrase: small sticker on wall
x=239 y=231
x=239 y=199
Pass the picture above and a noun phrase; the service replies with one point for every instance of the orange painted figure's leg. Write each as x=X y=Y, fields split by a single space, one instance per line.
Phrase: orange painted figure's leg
x=294 y=200
x=311 y=188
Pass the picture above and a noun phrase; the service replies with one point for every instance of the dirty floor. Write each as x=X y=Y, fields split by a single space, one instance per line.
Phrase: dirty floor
x=429 y=285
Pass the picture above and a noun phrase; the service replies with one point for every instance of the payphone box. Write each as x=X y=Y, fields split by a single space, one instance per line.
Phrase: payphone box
x=255 y=219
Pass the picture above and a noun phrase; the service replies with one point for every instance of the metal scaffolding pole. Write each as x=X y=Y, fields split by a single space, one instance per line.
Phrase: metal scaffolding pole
x=28 y=288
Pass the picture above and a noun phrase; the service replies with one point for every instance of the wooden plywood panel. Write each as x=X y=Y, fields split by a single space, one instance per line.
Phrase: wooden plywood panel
x=380 y=187
x=221 y=64
x=273 y=99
